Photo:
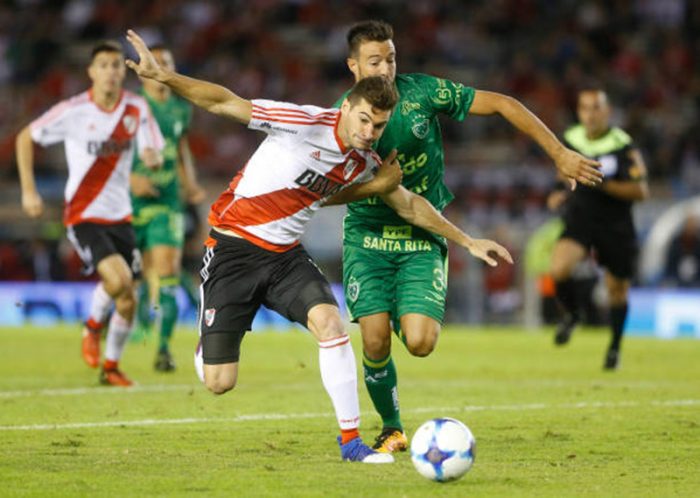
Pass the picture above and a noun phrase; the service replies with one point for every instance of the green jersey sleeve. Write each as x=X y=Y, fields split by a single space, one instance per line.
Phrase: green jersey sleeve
x=446 y=96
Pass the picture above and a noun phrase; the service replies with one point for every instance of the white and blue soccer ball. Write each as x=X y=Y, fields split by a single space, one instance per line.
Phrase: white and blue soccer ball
x=443 y=449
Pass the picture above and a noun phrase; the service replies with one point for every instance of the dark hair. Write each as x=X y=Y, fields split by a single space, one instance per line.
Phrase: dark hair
x=106 y=46
x=368 y=31
x=377 y=91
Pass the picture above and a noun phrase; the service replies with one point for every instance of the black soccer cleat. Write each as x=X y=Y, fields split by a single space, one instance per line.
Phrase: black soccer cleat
x=564 y=330
x=612 y=360
x=164 y=362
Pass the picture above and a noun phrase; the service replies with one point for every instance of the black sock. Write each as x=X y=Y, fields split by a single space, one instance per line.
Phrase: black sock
x=618 y=315
x=566 y=297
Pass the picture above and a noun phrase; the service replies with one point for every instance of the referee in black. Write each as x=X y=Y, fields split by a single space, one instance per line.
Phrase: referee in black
x=598 y=220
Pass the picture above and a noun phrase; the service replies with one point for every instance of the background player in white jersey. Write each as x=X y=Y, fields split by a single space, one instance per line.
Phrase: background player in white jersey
x=311 y=156
x=99 y=129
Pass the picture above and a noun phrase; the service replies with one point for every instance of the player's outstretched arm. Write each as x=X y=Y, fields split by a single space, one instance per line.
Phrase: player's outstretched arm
x=570 y=164
x=387 y=178
x=418 y=211
x=32 y=203
x=209 y=96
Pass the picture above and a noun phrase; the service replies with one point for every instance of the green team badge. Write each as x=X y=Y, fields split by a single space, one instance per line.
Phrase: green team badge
x=421 y=128
x=353 y=289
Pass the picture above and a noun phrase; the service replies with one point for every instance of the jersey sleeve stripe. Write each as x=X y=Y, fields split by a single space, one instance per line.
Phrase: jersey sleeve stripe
x=292 y=121
x=300 y=112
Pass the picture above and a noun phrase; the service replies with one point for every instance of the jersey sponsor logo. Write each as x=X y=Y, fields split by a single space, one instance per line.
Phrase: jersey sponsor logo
x=397 y=232
x=266 y=125
x=608 y=165
x=209 y=316
x=316 y=155
x=408 y=107
x=380 y=244
x=108 y=147
x=318 y=184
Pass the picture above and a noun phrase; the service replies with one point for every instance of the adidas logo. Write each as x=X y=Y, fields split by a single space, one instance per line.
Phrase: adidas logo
x=316 y=155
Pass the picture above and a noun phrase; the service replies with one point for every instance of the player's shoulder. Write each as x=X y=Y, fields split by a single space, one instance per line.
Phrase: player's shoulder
x=575 y=133
x=620 y=136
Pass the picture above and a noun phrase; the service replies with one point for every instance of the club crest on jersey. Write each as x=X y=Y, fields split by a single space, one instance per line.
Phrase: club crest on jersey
x=209 y=316
x=130 y=124
x=420 y=129
x=349 y=168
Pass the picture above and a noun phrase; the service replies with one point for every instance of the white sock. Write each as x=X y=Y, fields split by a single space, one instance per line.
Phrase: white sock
x=100 y=304
x=118 y=333
x=339 y=374
x=199 y=362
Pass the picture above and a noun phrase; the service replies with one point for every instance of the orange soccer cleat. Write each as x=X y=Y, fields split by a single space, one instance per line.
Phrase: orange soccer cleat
x=91 y=346
x=114 y=377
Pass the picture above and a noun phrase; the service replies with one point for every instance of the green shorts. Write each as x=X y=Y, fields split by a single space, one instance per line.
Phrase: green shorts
x=398 y=283
x=165 y=228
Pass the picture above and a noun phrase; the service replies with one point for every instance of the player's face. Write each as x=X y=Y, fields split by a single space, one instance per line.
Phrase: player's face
x=107 y=72
x=361 y=124
x=593 y=112
x=374 y=58
x=165 y=59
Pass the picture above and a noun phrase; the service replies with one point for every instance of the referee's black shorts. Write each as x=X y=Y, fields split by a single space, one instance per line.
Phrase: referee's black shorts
x=613 y=243
x=238 y=277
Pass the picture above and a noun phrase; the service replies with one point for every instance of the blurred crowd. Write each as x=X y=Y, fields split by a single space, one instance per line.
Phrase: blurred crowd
x=645 y=53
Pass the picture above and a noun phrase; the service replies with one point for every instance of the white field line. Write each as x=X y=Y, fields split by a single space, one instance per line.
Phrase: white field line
x=79 y=391
x=155 y=388
x=262 y=417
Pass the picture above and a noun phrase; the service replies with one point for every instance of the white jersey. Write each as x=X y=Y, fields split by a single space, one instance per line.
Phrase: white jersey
x=301 y=163
x=99 y=148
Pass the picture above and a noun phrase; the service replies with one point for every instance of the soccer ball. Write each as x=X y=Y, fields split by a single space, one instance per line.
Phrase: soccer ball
x=443 y=449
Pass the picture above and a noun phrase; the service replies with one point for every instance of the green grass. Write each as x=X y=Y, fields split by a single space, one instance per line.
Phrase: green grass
x=549 y=422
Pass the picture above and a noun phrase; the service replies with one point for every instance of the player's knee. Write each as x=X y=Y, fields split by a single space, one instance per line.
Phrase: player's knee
x=219 y=386
x=376 y=346
x=421 y=344
x=330 y=327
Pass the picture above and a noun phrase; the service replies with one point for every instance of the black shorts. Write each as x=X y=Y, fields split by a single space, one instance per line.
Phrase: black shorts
x=238 y=277
x=614 y=244
x=94 y=242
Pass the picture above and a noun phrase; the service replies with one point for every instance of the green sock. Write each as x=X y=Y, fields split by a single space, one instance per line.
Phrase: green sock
x=381 y=382
x=168 y=309
x=143 y=308
x=191 y=288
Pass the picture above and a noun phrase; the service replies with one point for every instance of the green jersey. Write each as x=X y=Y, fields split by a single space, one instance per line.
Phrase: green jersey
x=173 y=117
x=414 y=130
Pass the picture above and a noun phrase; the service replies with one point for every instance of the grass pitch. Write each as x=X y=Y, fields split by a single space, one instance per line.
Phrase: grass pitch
x=548 y=421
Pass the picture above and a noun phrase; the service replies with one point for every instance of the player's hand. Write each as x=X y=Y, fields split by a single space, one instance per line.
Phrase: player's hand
x=577 y=168
x=389 y=174
x=480 y=248
x=32 y=204
x=195 y=194
x=147 y=67
x=142 y=186
x=152 y=158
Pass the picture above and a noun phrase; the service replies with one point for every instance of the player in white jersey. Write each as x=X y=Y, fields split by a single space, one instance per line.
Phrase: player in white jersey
x=100 y=129
x=311 y=157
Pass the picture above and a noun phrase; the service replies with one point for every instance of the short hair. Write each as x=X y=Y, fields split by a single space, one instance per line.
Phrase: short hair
x=378 y=91
x=106 y=46
x=368 y=31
